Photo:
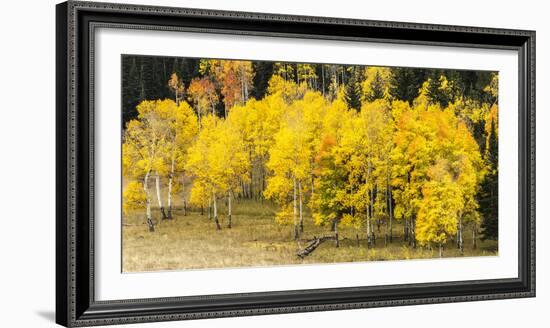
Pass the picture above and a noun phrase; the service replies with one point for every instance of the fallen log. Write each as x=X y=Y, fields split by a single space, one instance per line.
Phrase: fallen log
x=316 y=241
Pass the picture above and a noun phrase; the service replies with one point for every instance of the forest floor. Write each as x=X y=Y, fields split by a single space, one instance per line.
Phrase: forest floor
x=255 y=239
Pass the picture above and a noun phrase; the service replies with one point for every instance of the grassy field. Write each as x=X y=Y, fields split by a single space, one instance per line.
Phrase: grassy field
x=192 y=242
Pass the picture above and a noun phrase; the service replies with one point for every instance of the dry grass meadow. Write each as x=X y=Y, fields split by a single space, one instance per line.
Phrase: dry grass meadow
x=192 y=242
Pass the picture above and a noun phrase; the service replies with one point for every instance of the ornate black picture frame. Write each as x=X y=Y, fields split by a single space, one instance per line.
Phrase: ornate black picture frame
x=75 y=301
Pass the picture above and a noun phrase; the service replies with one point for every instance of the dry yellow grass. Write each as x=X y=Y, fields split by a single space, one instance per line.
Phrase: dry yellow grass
x=192 y=242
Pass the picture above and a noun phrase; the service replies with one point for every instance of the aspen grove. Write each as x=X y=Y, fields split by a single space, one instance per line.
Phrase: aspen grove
x=358 y=147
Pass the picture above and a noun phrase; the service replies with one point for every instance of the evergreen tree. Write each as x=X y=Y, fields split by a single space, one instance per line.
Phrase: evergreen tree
x=406 y=82
x=488 y=197
x=130 y=88
x=376 y=88
x=353 y=94
x=264 y=71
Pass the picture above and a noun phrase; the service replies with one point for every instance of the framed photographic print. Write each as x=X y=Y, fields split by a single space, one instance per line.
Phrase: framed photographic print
x=215 y=164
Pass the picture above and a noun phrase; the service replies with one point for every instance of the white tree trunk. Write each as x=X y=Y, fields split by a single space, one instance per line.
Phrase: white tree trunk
x=170 y=181
x=159 y=198
x=149 y=219
x=216 y=212
x=368 y=229
x=301 y=207
x=295 y=210
x=460 y=237
x=390 y=206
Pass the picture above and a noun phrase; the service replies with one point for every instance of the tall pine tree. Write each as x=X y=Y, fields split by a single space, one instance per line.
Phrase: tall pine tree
x=376 y=89
x=488 y=200
x=353 y=94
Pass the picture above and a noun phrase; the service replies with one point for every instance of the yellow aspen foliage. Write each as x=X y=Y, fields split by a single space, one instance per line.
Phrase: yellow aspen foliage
x=435 y=156
x=439 y=209
x=133 y=197
x=376 y=83
x=288 y=90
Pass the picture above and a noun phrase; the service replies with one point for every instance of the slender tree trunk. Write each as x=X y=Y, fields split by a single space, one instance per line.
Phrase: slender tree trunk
x=413 y=231
x=460 y=238
x=323 y=77
x=406 y=229
x=199 y=116
x=218 y=227
x=301 y=207
x=336 y=233
x=149 y=218
x=162 y=211
x=245 y=89
x=385 y=233
x=373 y=239
x=170 y=188
x=296 y=230
x=368 y=229
x=357 y=239
x=251 y=174
x=209 y=208
x=370 y=213
x=242 y=87
x=390 y=206
x=229 y=209
x=440 y=250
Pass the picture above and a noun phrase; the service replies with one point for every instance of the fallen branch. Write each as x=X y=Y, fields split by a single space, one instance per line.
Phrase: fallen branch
x=316 y=241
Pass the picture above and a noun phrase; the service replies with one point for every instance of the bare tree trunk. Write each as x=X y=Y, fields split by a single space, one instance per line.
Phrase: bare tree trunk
x=385 y=233
x=245 y=88
x=368 y=229
x=218 y=227
x=229 y=209
x=199 y=116
x=209 y=208
x=391 y=210
x=301 y=207
x=405 y=229
x=170 y=188
x=373 y=238
x=164 y=217
x=460 y=238
x=296 y=231
x=336 y=233
x=323 y=75
x=413 y=231
x=150 y=223
x=440 y=250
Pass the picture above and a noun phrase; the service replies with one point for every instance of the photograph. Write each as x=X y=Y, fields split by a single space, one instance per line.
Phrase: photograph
x=246 y=161
x=230 y=163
